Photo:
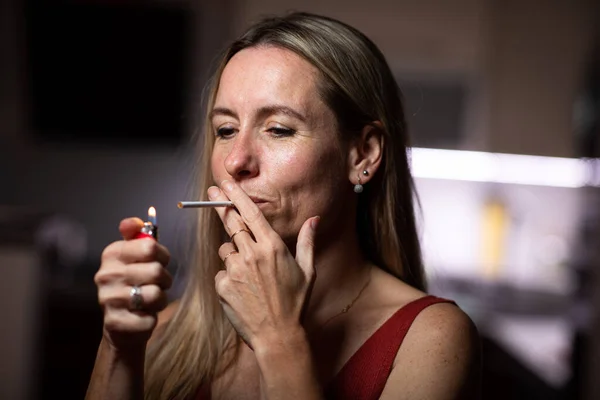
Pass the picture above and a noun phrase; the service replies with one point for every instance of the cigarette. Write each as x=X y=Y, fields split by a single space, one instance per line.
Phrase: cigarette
x=200 y=204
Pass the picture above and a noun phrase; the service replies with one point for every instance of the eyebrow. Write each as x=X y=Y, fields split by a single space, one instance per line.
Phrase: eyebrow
x=262 y=112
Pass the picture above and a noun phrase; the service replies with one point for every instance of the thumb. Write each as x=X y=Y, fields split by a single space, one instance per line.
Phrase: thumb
x=305 y=247
x=129 y=227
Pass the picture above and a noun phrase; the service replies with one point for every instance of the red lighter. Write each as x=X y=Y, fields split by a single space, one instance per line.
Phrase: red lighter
x=150 y=229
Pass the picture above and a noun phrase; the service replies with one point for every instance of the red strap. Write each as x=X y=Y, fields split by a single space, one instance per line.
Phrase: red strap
x=365 y=374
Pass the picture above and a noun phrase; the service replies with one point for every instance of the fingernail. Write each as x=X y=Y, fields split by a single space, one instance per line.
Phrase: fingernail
x=226 y=185
x=315 y=222
x=213 y=192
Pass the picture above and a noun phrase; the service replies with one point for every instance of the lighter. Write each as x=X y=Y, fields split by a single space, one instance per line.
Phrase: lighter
x=150 y=229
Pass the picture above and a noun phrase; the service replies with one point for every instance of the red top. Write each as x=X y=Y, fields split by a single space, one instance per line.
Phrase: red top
x=365 y=374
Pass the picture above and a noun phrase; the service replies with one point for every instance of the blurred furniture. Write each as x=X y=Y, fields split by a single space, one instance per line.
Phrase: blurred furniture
x=19 y=291
x=51 y=319
x=526 y=338
x=72 y=329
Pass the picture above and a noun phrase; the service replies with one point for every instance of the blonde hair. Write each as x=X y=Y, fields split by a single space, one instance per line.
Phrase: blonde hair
x=199 y=343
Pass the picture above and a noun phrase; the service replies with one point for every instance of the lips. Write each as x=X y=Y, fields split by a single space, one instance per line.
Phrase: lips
x=257 y=200
x=255 y=195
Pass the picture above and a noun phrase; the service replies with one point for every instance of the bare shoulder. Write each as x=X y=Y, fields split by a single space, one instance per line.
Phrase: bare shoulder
x=440 y=329
x=439 y=358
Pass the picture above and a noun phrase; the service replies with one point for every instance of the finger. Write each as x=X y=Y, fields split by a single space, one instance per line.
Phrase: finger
x=251 y=215
x=221 y=279
x=123 y=320
x=225 y=251
x=232 y=221
x=115 y=272
x=129 y=227
x=152 y=273
x=245 y=239
x=305 y=247
x=153 y=299
x=135 y=251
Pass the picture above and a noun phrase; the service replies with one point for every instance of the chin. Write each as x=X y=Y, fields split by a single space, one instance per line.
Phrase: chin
x=287 y=232
x=286 y=227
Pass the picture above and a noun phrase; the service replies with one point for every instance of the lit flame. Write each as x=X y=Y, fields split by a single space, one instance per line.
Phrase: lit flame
x=152 y=215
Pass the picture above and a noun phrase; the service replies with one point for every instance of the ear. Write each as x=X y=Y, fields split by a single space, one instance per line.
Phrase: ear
x=365 y=153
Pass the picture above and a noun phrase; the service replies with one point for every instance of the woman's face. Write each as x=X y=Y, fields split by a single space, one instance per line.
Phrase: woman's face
x=278 y=139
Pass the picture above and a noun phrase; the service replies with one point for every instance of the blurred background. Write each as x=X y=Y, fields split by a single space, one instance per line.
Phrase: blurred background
x=99 y=98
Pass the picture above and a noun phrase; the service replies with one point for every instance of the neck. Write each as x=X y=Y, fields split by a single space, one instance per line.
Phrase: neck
x=342 y=272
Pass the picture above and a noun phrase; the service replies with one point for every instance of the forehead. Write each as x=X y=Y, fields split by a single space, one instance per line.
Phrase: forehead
x=268 y=74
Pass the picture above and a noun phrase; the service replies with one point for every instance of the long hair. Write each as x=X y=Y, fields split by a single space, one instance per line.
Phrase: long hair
x=355 y=81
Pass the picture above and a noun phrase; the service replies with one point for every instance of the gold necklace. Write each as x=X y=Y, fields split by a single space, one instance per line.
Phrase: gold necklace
x=349 y=305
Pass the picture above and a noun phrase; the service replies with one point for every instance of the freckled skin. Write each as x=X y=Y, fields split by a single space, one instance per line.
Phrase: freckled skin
x=300 y=175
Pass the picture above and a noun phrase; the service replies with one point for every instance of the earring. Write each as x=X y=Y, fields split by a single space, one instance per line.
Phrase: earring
x=365 y=172
x=358 y=188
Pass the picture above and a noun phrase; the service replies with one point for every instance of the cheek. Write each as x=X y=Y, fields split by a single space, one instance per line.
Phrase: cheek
x=309 y=173
x=292 y=167
x=217 y=165
x=288 y=164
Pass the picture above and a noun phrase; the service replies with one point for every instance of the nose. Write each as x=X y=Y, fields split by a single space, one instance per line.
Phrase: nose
x=241 y=162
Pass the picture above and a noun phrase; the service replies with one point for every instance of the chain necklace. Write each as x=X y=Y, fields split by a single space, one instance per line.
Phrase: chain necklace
x=349 y=305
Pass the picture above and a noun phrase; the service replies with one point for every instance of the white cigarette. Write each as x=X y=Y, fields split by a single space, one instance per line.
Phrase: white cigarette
x=196 y=204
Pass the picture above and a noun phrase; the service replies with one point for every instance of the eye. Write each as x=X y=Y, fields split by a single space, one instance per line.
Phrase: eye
x=281 y=131
x=225 y=132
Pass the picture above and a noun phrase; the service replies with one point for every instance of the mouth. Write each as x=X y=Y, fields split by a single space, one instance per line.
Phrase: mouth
x=257 y=200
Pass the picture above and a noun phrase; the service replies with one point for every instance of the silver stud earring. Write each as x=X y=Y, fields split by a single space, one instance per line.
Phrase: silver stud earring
x=365 y=172
x=358 y=188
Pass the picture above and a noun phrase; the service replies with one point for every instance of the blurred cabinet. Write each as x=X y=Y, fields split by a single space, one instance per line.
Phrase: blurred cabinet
x=70 y=334
x=52 y=323
x=535 y=66
x=523 y=61
x=19 y=292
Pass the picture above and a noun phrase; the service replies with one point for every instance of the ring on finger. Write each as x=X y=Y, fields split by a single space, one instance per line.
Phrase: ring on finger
x=232 y=252
x=238 y=231
x=137 y=300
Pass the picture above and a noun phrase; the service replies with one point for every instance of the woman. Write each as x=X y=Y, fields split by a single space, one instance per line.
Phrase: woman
x=318 y=274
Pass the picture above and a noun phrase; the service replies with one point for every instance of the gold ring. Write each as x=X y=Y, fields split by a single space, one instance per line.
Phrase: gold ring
x=238 y=231
x=228 y=254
